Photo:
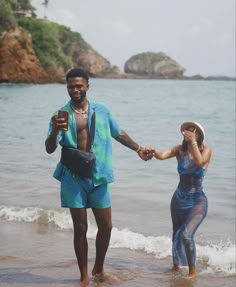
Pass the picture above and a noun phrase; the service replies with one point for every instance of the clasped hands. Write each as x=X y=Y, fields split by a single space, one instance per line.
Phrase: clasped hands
x=146 y=153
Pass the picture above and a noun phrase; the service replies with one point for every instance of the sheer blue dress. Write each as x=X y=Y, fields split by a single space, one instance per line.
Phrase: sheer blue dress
x=188 y=209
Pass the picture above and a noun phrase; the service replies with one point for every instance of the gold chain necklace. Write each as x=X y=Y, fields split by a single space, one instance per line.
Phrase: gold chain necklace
x=83 y=114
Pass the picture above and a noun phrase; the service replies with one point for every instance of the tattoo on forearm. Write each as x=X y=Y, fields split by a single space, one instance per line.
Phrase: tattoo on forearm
x=124 y=139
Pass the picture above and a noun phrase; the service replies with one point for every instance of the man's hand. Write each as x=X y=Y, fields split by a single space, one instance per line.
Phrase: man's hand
x=58 y=124
x=51 y=141
x=143 y=153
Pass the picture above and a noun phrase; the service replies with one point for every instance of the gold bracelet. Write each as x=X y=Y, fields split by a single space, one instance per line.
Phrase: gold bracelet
x=138 y=149
x=194 y=143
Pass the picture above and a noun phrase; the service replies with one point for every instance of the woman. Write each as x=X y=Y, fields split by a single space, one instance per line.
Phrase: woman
x=189 y=203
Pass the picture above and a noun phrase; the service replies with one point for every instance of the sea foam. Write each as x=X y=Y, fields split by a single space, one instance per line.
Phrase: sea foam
x=218 y=258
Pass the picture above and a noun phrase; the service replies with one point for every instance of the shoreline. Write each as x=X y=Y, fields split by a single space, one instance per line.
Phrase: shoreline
x=44 y=257
x=127 y=77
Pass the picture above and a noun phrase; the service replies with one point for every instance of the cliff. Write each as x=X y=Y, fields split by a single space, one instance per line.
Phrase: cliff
x=38 y=51
x=18 y=62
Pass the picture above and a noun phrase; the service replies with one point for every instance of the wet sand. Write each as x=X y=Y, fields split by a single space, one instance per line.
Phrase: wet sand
x=41 y=255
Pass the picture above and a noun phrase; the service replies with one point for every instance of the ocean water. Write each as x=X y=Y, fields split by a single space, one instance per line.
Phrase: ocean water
x=36 y=234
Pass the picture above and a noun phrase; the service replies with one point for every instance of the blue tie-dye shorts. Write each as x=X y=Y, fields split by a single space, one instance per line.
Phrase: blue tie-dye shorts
x=81 y=193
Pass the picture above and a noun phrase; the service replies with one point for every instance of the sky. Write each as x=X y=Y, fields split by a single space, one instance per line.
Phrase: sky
x=198 y=34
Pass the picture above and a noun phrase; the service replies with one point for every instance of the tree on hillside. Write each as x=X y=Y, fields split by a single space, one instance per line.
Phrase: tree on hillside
x=7 y=19
x=45 y=3
x=22 y=7
x=10 y=10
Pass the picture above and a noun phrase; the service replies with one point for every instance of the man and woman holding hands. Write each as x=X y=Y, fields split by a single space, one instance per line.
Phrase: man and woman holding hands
x=188 y=204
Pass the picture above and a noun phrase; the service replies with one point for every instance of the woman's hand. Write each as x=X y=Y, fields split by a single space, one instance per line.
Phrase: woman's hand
x=152 y=151
x=190 y=137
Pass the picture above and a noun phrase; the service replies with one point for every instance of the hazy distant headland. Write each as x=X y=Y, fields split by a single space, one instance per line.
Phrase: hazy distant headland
x=38 y=51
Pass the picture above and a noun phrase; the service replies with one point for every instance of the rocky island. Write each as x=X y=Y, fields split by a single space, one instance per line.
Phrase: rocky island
x=154 y=65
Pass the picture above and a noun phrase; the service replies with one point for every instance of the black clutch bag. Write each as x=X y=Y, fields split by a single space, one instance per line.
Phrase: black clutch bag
x=80 y=162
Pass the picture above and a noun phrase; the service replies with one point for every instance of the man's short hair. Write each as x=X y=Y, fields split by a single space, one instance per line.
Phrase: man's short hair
x=77 y=73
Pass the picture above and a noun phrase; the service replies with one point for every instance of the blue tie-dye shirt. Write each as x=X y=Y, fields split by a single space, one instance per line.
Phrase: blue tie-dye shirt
x=106 y=128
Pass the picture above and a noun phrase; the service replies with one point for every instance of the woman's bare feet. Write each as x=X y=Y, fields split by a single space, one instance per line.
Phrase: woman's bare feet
x=192 y=272
x=176 y=268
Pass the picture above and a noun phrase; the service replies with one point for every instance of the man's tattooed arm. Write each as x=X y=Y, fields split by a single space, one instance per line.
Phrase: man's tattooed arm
x=124 y=139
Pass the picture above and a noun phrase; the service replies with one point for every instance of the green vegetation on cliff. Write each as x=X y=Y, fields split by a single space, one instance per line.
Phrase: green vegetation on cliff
x=55 y=45
x=7 y=19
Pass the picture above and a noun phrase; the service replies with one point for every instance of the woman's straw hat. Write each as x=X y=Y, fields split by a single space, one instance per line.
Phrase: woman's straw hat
x=186 y=125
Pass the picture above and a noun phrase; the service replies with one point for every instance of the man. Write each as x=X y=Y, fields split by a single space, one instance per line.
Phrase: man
x=78 y=193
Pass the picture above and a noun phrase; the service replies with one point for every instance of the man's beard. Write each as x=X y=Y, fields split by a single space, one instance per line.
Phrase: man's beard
x=80 y=100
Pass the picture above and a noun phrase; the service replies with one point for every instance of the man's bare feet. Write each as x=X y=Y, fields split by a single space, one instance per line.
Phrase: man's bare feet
x=97 y=270
x=84 y=282
x=99 y=277
x=106 y=278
